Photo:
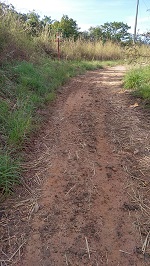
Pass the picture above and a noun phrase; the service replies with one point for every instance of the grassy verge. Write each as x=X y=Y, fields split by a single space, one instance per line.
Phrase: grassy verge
x=25 y=88
x=139 y=81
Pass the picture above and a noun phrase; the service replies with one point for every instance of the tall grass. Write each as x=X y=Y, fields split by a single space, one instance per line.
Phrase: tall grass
x=92 y=50
x=87 y=50
x=15 y=41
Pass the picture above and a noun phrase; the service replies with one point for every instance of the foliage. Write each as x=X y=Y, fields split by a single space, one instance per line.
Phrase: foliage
x=114 y=31
x=95 y=33
x=5 y=9
x=69 y=27
x=33 y=23
x=117 y=31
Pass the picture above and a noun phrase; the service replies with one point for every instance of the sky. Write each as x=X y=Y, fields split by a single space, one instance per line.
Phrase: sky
x=90 y=13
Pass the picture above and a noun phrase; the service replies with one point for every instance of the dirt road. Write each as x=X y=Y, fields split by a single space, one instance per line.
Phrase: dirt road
x=83 y=214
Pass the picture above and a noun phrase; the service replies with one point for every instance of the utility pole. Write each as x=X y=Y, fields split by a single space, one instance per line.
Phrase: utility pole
x=135 y=27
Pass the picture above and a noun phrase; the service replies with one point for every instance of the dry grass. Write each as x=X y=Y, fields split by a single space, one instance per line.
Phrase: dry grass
x=137 y=54
x=93 y=50
x=145 y=162
x=88 y=50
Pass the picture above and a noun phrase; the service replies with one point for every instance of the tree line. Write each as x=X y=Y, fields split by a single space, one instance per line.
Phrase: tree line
x=33 y=25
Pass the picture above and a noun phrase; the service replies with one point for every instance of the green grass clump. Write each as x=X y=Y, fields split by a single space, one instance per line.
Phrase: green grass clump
x=132 y=79
x=19 y=124
x=9 y=172
x=139 y=80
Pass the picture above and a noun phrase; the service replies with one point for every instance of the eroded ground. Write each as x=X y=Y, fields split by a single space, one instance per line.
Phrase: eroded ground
x=86 y=164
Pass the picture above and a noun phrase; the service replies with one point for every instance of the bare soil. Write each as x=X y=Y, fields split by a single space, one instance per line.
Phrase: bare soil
x=85 y=197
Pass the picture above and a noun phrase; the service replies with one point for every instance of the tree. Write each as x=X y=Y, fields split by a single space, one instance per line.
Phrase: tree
x=5 y=9
x=114 y=31
x=46 y=21
x=56 y=26
x=34 y=24
x=96 y=33
x=69 y=27
x=84 y=35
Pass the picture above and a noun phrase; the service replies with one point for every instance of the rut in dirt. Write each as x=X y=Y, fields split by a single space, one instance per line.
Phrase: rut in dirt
x=82 y=219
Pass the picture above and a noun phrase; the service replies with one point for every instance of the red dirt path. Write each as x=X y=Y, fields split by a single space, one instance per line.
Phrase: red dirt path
x=82 y=214
x=81 y=219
